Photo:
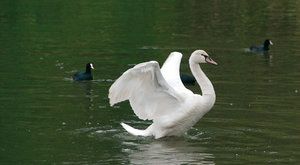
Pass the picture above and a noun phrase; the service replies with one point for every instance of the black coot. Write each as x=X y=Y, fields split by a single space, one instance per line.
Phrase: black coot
x=87 y=75
x=187 y=79
x=261 y=48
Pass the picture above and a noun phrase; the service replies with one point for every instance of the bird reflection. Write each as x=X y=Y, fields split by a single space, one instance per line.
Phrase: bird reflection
x=88 y=89
x=170 y=151
x=268 y=58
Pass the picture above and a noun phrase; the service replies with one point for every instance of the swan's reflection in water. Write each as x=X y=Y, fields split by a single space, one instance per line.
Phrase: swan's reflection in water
x=169 y=151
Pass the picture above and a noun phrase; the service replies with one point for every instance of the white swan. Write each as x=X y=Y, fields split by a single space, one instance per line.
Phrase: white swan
x=159 y=95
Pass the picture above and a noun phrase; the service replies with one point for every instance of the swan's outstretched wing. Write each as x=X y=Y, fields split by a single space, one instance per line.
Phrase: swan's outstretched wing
x=150 y=96
x=170 y=71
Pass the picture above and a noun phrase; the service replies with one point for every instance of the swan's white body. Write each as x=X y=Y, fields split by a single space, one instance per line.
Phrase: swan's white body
x=159 y=95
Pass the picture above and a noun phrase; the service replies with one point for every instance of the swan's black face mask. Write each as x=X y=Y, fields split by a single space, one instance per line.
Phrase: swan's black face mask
x=209 y=60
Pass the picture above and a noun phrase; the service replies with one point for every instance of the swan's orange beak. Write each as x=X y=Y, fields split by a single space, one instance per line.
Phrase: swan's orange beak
x=210 y=61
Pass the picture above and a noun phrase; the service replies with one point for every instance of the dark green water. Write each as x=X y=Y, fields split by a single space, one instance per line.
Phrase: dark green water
x=46 y=118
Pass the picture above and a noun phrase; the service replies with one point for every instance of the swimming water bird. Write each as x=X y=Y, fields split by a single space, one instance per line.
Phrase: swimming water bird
x=159 y=95
x=87 y=75
x=262 y=48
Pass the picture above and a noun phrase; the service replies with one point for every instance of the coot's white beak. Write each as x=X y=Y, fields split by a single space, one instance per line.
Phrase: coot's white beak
x=92 y=66
x=271 y=43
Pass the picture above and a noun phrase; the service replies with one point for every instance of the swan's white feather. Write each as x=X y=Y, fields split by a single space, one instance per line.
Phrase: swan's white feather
x=150 y=96
x=170 y=71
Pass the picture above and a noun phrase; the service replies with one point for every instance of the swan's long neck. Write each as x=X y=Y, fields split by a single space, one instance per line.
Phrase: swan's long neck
x=204 y=83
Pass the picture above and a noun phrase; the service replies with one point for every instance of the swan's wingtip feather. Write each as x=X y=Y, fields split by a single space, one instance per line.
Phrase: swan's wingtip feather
x=111 y=103
x=176 y=54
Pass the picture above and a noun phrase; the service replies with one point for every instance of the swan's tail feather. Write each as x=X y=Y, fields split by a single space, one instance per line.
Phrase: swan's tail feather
x=135 y=132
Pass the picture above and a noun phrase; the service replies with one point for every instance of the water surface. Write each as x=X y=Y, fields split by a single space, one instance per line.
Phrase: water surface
x=46 y=118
